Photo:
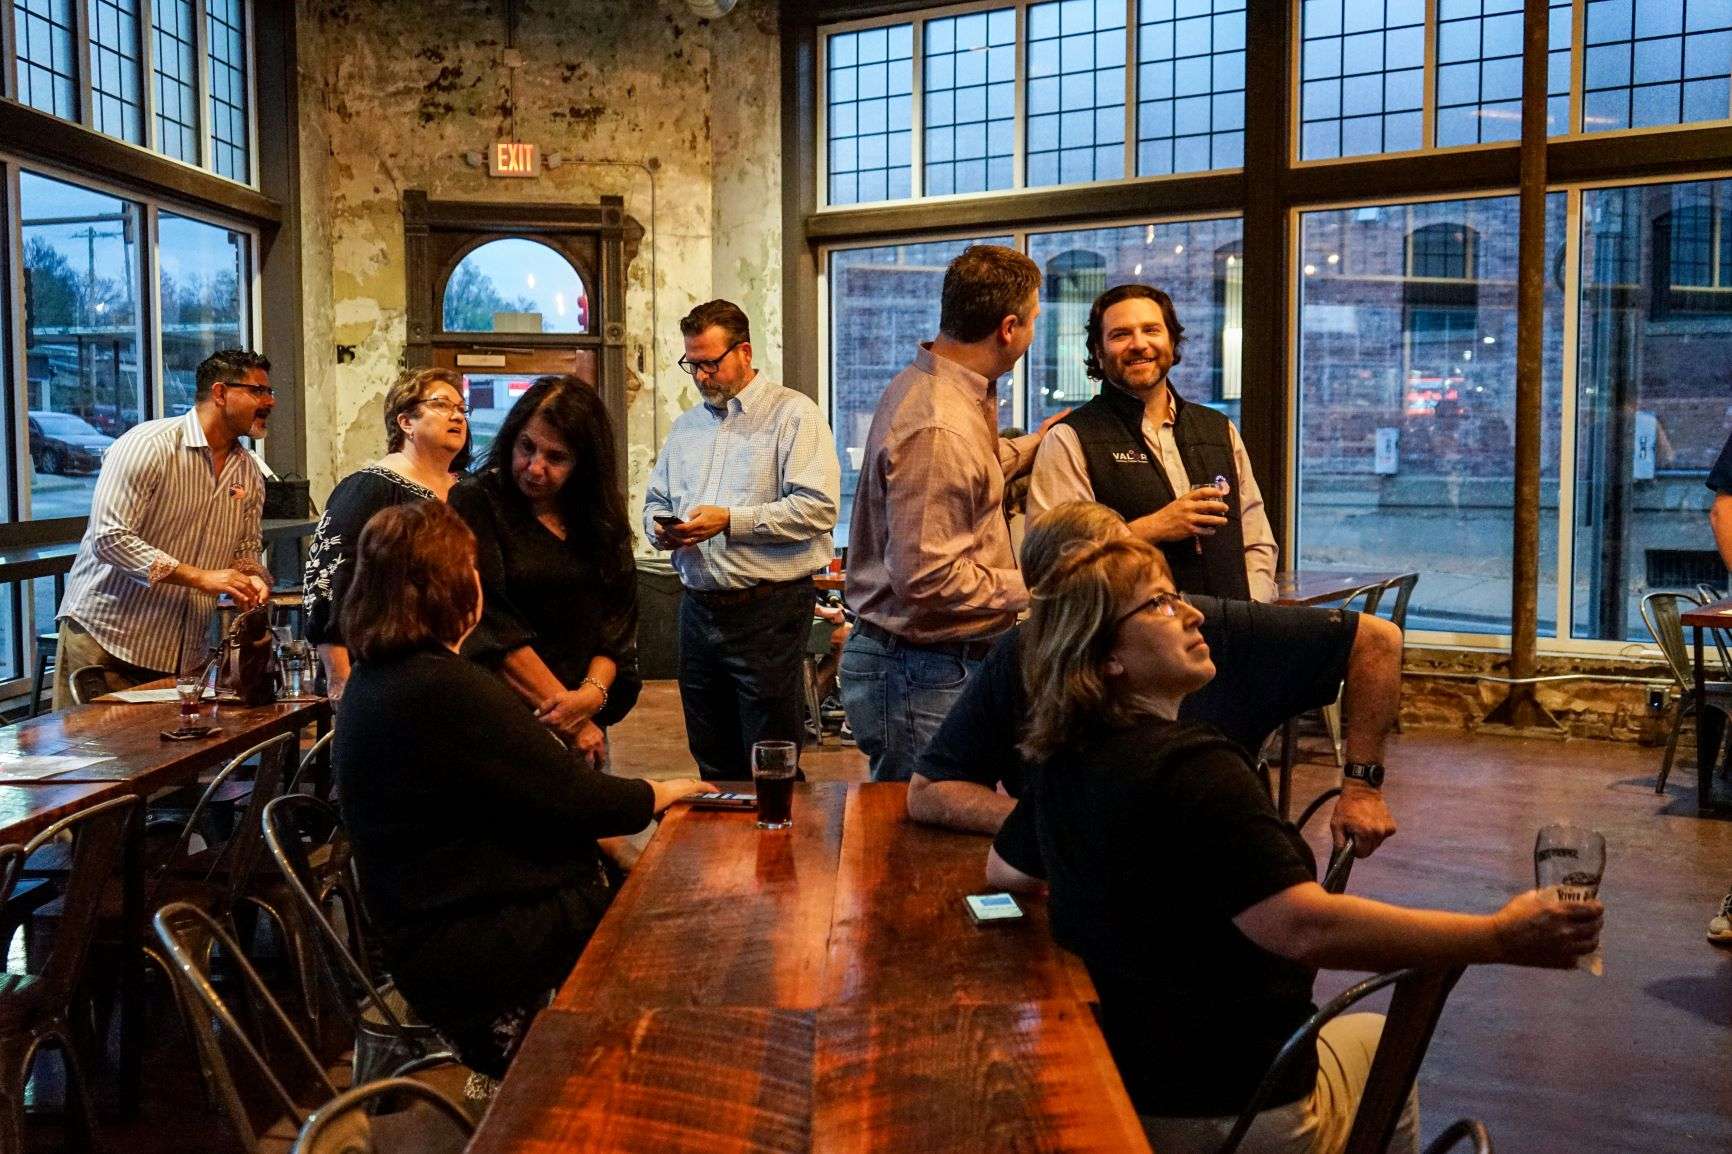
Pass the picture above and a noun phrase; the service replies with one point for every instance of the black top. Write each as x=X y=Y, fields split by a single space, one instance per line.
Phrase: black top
x=1720 y=476
x=1128 y=478
x=457 y=798
x=1272 y=662
x=548 y=594
x=330 y=557
x=1153 y=838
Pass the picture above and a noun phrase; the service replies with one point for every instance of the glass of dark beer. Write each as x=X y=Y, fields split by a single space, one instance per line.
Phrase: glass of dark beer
x=774 y=764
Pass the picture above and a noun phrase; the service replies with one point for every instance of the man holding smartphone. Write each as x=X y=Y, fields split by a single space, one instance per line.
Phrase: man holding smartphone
x=744 y=493
x=1176 y=471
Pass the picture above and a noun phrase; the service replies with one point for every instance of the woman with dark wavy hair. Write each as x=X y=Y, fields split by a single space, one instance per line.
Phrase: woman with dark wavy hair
x=555 y=558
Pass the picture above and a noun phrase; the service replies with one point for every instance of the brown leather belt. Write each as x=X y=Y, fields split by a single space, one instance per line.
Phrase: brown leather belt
x=727 y=598
x=966 y=650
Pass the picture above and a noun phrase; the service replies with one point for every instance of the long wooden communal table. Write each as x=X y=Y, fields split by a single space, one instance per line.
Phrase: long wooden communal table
x=816 y=990
x=1717 y=615
x=139 y=761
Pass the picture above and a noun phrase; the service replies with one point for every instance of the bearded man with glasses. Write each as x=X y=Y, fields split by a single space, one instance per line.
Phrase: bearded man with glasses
x=174 y=523
x=744 y=494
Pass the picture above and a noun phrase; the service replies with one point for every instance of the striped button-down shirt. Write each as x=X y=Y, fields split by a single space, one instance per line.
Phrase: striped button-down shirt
x=769 y=459
x=158 y=503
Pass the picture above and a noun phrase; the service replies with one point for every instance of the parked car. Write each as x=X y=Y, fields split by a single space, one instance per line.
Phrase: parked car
x=64 y=443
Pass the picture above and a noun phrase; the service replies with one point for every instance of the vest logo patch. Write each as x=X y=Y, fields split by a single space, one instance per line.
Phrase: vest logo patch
x=1130 y=457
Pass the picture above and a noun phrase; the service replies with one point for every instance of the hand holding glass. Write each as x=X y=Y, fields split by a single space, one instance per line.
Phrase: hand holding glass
x=1569 y=862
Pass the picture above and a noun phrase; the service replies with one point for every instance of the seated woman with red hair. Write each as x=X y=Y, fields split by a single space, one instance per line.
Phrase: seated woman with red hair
x=474 y=829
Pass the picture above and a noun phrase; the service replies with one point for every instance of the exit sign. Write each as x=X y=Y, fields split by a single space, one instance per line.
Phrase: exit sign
x=513 y=158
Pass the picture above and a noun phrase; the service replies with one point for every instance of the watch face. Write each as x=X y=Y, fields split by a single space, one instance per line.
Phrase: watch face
x=1370 y=772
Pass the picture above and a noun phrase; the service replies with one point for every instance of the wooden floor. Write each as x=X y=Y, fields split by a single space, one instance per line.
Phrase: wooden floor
x=1637 y=1061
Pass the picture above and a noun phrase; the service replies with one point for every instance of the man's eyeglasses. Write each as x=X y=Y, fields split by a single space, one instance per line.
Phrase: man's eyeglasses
x=708 y=368
x=259 y=390
x=1165 y=604
x=448 y=407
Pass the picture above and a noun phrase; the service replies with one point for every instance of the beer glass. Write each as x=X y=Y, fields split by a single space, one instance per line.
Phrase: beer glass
x=1568 y=864
x=774 y=764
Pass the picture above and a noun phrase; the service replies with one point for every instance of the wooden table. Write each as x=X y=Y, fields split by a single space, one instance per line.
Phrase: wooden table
x=139 y=762
x=819 y=989
x=1314 y=587
x=27 y=810
x=1709 y=727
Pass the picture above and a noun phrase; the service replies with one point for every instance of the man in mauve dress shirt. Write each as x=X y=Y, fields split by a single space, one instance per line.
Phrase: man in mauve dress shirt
x=746 y=489
x=931 y=573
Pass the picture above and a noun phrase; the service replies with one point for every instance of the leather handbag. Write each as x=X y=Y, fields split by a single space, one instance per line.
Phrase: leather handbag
x=248 y=665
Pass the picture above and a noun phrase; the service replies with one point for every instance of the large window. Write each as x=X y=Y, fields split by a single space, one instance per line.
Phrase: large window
x=970 y=98
x=870 y=113
x=43 y=33
x=202 y=282
x=116 y=77
x=84 y=374
x=1190 y=85
x=177 y=119
x=1076 y=91
x=227 y=53
x=883 y=303
x=1196 y=262
x=1362 y=69
x=1653 y=403
x=1656 y=62
x=1406 y=369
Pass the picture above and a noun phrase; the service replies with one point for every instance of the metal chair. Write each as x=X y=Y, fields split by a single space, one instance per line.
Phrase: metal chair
x=1413 y=1014
x=47 y=646
x=1340 y=860
x=36 y=1008
x=88 y=683
x=426 y=1122
x=1660 y=615
x=1364 y=600
x=1722 y=640
x=1470 y=1128
x=386 y=1032
x=291 y=1081
x=309 y=760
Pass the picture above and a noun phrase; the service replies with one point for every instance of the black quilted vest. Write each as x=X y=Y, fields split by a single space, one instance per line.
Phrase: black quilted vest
x=1128 y=478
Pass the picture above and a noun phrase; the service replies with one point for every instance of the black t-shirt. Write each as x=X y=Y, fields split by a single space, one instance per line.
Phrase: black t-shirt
x=330 y=558
x=1153 y=838
x=1272 y=662
x=1720 y=476
x=552 y=595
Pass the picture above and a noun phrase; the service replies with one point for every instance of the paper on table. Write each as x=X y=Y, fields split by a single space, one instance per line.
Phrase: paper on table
x=49 y=764
x=147 y=696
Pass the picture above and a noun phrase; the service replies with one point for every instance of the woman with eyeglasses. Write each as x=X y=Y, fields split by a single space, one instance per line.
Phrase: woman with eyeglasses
x=1193 y=904
x=555 y=557
x=427 y=443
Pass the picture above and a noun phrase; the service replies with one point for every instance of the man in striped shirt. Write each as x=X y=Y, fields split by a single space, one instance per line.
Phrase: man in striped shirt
x=745 y=493
x=174 y=522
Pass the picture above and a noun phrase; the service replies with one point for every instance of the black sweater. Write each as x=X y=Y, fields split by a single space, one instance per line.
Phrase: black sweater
x=456 y=797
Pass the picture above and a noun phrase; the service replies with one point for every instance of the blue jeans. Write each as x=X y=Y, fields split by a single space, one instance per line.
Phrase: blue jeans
x=896 y=696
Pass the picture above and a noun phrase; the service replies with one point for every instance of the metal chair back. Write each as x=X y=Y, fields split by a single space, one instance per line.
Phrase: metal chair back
x=236 y=859
x=309 y=760
x=88 y=682
x=1407 y=1030
x=424 y=1121
x=385 y=1032
x=1365 y=599
x=1402 y=587
x=189 y=935
x=1660 y=614
x=1470 y=1128
x=98 y=844
x=1722 y=645
x=1340 y=860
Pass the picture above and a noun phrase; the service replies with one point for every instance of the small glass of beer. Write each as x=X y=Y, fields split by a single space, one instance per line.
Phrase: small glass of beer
x=774 y=764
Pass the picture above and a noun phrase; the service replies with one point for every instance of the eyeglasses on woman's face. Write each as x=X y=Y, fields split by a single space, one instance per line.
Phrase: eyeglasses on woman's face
x=446 y=406
x=1161 y=605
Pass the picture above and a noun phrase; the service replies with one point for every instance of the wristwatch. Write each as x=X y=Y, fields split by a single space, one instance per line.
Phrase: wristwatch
x=1370 y=772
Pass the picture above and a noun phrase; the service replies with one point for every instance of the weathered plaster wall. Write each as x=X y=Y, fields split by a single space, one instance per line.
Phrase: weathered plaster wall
x=643 y=99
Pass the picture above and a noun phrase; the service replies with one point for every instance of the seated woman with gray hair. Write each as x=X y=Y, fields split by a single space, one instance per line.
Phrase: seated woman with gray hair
x=1194 y=906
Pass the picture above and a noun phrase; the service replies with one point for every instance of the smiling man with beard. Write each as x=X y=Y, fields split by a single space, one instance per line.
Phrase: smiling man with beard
x=1175 y=470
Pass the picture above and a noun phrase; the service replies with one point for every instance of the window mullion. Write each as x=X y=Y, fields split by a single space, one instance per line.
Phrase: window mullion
x=1428 y=80
x=9 y=45
x=917 y=112
x=1019 y=146
x=201 y=71
x=1131 y=88
x=150 y=301
x=81 y=57
x=1578 y=49
x=18 y=391
x=147 y=71
x=1566 y=573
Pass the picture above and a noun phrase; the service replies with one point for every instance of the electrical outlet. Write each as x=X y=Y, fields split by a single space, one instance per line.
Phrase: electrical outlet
x=1656 y=700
